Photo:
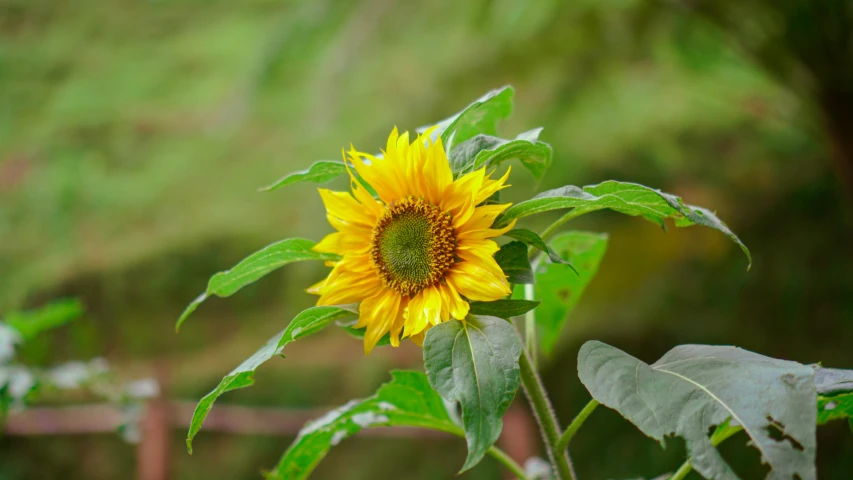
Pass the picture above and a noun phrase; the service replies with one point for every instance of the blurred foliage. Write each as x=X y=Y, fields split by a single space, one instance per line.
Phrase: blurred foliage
x=133 y=136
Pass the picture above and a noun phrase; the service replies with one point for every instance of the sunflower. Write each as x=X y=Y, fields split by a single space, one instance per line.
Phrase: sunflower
x=416 y=255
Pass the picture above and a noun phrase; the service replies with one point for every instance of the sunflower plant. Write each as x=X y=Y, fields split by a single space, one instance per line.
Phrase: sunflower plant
x=425 y=250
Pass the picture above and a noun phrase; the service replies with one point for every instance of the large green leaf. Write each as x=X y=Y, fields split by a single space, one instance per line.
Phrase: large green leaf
x=512 y=258
x=489 y=151
x=695 y=387
x=475 y=362
x=835 y=394
x=627 y=198
x=503 y=308
x=480 y=117
x=255 y=266
x=407 y=401
x=30 y=323
x=560 y=287
x=319 y=172
x=307 y=322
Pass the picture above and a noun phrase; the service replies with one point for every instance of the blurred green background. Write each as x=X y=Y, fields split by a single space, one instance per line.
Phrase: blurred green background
x=134 y=135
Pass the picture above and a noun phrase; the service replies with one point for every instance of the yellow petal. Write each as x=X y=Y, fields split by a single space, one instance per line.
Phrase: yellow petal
x=343 y=206
x=458 y=308
x=491 y=186
x=349 y=288
x=379 y=173
x=342 y=243
x=477 y=283
x=377 y=313
x=482 y=218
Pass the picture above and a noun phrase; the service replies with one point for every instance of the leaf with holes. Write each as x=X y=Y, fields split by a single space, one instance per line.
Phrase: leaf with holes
x=480 y=117
x=695 y=387
x=560 y=287
x=306 y=323
x=254 y=267
x=475 y=363
x=834 y=394
x=407 y=400
x=512 y=258
x=319 y=172
x=488 y=151
x=627 y=198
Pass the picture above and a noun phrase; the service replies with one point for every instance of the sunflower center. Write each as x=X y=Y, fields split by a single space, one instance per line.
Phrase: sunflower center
x=413 y=245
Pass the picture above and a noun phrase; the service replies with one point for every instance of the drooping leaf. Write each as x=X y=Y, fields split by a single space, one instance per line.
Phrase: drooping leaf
x=319 y=172
x=475 y=363
x=408 y=400
x=534 y=240
x=627 y=198
x=30 y=323
x=513 y=260
x=306 y=323
x=695 y=387
x=489 y=151
x=835 y=394
x=255 y=266
x=480 y=117
x=503 y=308
x=560 y=287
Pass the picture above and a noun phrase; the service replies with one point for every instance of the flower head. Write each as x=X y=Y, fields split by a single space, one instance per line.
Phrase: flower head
x=414 y=256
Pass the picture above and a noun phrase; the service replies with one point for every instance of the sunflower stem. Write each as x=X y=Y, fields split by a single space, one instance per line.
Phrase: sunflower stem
x=720 y=434
x=551 y=229
x=508 y=462
x=530 y=325
x=576 y=425
x=545 y=417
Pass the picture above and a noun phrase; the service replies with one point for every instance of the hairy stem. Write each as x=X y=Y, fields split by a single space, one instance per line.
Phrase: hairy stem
x=545 y=417
x=576 y=425
x=721 y=433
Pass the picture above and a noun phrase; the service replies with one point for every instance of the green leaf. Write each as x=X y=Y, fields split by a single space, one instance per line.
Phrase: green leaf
x=504 y=308
x=306 y=323
x=488 y=151
x=627 y=198
x=475 y=363
x=255 y=266
x=359 y=333
x=560 y=287
x=513 y=260
x=835 y=394
x=30 y=323
x=480 y=117
x=695 y=387
x=319 y=172
x=534 y=240
x=406 y=401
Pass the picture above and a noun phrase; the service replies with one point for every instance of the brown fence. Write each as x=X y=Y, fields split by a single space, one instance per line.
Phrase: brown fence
x=160 y=416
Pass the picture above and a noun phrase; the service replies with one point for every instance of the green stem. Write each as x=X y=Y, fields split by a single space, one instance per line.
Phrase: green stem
x=720 y=434
x=508 y=462
x=576 y=425
x=545 y=417
x=530 y=325
x=494 y=451
x=571 y=214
